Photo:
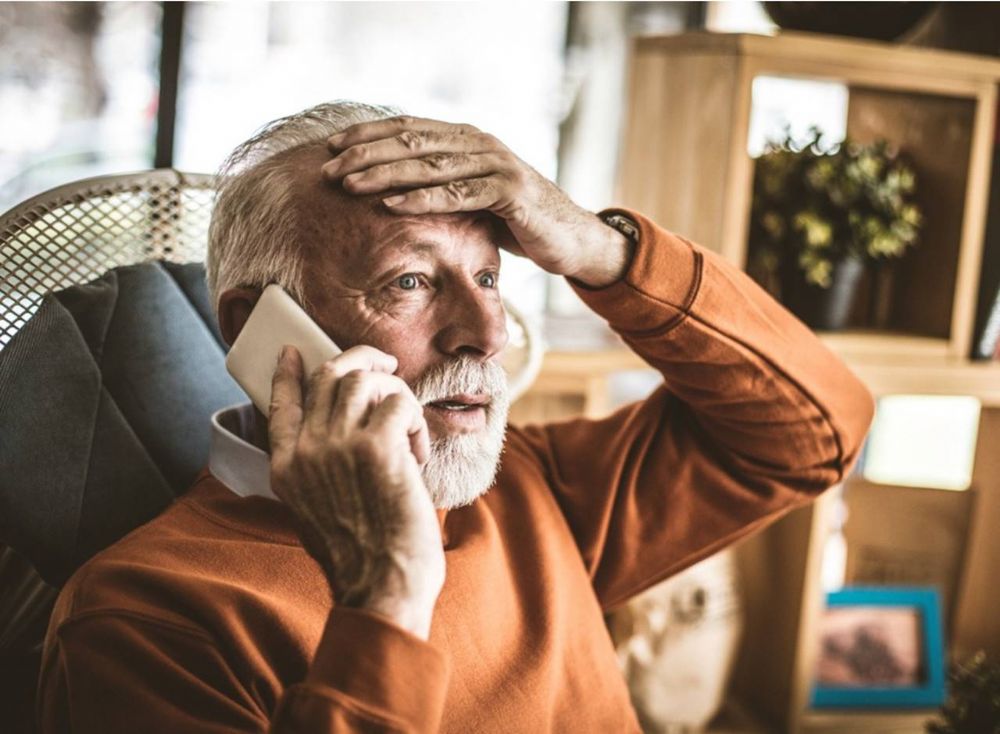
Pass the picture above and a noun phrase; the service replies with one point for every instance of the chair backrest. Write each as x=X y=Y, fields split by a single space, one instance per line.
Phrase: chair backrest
x=60 y=241
x=75 y=233
x=111 y=361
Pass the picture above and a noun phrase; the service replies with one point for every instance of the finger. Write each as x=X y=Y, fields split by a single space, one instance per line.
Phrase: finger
x=397 y=415
x=406 y=145
x=358 y=394
x=363 y=357
x=320 y=397
x=435 y=168
x=364 y=132
x=285 y=410
x=323 y=387
x=469 y=194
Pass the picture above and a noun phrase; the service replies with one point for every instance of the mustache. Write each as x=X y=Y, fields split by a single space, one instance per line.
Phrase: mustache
x=462 y=376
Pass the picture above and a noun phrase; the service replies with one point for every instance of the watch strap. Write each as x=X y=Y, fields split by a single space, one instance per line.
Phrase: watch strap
x=626 y=225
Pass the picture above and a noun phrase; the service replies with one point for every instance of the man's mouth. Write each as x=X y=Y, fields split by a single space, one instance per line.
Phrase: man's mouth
x=460 y=402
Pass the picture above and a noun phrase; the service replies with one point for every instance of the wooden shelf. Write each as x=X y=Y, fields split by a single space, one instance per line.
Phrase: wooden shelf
x=590 y=363
x=941 y=376
x=887 y=367
x=685 y=161
x=861 y=344
x=865 y=722
x=893 y=364
x=736 y=719
x=814 y=54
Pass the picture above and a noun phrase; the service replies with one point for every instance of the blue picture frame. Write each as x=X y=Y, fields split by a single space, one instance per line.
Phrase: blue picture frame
x=932 y=691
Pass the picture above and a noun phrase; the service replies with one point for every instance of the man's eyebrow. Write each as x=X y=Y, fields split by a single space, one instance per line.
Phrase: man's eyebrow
x=386 y=253
x=391 y=258
x=420 y=246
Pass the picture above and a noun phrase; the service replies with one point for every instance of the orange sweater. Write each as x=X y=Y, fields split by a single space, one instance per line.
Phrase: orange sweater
x=212 y=618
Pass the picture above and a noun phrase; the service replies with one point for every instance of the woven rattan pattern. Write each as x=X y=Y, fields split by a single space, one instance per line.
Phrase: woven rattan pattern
x=77 y=232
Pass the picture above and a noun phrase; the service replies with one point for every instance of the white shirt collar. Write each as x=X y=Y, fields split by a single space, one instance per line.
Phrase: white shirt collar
x=233 y=459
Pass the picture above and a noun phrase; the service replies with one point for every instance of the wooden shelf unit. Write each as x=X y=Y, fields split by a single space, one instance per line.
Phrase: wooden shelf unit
x=685 y=163
x=904 y=366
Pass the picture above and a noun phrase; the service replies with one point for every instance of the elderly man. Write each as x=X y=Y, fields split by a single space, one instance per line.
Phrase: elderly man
x=362 y=559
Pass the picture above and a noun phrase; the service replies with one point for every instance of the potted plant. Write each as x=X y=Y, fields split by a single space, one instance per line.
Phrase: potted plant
x=973 y=703
x=821 y=214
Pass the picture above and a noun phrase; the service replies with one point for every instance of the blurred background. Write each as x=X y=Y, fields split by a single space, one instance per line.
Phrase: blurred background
x=95 y=88
x=748 y=147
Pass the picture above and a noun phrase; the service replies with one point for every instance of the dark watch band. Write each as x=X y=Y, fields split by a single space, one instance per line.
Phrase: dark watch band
x=625 y=225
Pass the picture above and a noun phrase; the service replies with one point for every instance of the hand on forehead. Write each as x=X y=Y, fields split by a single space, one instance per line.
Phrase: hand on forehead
x=421 y=166
x=351 y=229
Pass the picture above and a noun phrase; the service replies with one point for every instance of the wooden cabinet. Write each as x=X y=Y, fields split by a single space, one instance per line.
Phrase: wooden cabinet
x=685 y=160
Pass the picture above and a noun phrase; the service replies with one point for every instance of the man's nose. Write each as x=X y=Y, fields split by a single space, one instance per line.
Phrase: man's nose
x=474 y=324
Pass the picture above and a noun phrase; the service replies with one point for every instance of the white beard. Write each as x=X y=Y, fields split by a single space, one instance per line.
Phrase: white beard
x=462 y=467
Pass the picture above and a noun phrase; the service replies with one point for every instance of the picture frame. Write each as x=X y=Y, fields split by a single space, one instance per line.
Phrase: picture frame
x=880 y=647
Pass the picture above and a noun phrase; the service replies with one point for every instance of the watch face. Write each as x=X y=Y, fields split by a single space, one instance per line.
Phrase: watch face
x=624 y=225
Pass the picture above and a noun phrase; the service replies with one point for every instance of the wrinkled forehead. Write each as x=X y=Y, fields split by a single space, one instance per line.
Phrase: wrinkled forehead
x=350 y=230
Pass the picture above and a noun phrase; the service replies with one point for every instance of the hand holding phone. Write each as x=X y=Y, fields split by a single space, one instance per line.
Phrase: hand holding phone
x=345 y=457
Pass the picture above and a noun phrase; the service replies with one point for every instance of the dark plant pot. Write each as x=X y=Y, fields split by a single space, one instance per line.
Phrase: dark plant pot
x=822 y=308
x=883 y=21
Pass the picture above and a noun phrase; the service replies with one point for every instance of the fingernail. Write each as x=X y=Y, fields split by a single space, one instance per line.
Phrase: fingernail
x=330 y=168
x=283 y=353
x=335 y=140
x=394 y=200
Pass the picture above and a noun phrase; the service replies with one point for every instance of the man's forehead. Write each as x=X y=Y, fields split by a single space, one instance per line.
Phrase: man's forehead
x=314 y=195
x=339 y=223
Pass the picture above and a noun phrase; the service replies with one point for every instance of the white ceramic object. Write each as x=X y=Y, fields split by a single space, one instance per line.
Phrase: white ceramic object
x=677 y=642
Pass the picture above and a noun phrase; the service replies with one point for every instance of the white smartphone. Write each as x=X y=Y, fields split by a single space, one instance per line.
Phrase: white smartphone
x=276 y=320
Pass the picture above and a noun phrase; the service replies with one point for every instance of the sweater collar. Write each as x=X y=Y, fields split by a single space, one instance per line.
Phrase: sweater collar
x=233 y=459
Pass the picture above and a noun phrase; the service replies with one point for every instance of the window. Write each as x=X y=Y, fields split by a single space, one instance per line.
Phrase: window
x=78 y=86
x=923 y=441
x=491 y=65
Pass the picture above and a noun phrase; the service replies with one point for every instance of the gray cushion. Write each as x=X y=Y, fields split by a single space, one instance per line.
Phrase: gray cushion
x=105 y=399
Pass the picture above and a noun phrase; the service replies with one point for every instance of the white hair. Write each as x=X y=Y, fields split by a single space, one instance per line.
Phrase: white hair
x=252 y=238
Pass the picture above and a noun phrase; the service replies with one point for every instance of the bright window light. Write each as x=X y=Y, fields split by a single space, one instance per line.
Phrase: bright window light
x=498 y=66
x=923 y=441
x=778 y=102
x=738 y=16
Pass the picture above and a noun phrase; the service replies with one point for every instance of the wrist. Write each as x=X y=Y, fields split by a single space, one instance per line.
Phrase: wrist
x=609 y=253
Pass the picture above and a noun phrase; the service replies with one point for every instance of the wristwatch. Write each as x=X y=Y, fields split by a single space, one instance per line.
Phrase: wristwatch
x=626 y=225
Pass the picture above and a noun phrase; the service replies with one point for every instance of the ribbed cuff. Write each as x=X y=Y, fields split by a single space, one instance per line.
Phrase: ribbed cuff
x=658 y=288
x=366 y=657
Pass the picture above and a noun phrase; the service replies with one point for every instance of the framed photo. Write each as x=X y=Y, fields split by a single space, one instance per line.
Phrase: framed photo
x=880 y=647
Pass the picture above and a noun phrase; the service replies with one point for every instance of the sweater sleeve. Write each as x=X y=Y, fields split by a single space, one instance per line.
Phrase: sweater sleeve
x=122 y=671
x=755 y=417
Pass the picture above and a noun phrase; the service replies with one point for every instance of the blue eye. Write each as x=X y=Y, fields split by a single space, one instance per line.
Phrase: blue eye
x=408 y=282
x=488 y=280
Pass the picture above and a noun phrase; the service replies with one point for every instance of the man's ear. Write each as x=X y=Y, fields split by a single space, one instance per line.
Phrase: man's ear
x=235 y=306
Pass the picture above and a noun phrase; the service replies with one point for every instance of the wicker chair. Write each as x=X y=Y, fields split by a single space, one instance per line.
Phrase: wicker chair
x=64 y=237
x=73 y=235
